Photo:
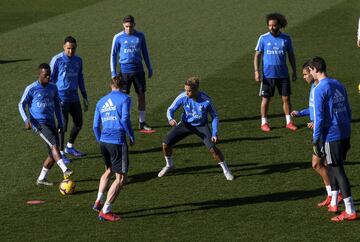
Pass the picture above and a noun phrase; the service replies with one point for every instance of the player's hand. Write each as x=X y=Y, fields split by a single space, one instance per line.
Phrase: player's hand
x=85 y=104
x=294 y=113
x=132 y=141
x=150 y=73
x=318 y=149
x=257 y=76
x=214 y=139
x=172 y=122
x=310 y=125
x=294 y=77
x=28 y=125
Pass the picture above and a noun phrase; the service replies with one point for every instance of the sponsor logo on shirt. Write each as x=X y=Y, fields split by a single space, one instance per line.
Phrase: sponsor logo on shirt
x=107 y=108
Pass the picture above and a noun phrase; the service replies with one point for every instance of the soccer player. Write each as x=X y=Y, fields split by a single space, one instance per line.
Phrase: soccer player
x=271 y=49
x=318 y=164
x=196 y=107
x=112 y=113
x=130 y=47
x=67 y=74
x=331 y=134
x=43 y=102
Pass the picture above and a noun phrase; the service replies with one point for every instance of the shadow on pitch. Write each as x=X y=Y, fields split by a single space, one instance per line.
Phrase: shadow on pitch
x=222 y=203
x=13 y=61
x=200 y=144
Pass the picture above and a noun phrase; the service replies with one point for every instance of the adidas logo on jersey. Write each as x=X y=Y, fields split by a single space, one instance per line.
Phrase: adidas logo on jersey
x=108 y=106
x=338 y=97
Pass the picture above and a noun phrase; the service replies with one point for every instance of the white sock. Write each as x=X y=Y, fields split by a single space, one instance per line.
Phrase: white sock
x=334 y=195
x=224 y=166
x=288 y=119
x=100 y=196
x=69 y=145
x=349 y=205
x=264 y=120
x=328 y=190
x=106 y=208
x=169 y=161
x=62 y=165
x=43 y=173
x=141 y=116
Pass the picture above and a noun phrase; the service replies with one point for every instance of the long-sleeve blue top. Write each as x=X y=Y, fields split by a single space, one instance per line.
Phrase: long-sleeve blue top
x=43 y=102
x=332 y=113
x=67 y=73
x=130 y=49
x=112 y=118
x=195 y=112
x=310 y=110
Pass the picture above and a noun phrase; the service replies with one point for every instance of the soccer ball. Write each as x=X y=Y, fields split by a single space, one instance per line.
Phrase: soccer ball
x=67 y=187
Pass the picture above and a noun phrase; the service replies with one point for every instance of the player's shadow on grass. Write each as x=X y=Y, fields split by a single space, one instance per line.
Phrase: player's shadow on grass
x=257 y=117
x=199 y=144
x=222 y=203
x=13 y=61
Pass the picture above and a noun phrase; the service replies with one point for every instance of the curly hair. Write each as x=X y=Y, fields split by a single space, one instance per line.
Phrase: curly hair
x=278 y=17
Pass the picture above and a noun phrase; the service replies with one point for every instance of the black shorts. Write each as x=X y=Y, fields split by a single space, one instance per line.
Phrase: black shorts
x=115 y=156
x=336 y=151
x=267 y=87
x=138 y=78
x=74 y=108
x=49 y=135
x=183 y=130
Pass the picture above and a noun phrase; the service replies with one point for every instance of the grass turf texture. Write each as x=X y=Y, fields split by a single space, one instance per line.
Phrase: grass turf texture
x=275 y=192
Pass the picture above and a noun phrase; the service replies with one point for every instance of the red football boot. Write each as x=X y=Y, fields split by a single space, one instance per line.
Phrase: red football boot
x=265 y=127
x=110 y=216
x=326 y=202
x=344 y=216
x=291 y=126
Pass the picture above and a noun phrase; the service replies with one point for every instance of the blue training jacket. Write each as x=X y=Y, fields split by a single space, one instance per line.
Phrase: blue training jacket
x=67 y=73
x=112 y=113
x=310 y=110
x=332 y=113
x=43 y=102
x=195 y=112
x=131 y=50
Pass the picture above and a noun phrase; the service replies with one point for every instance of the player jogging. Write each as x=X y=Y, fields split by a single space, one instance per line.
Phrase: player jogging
x=112 y=113
x=67 y=74
x=43 y=102
x=318 y=164
x=130 y=47
x=196 y=107
x=271 y=49
x=331 y=134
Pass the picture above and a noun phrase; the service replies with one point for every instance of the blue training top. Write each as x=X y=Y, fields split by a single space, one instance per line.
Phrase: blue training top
x=43 y=102
x=131 y=50
x=310 y=110
x=332 y=113
x=195 y=112
x=67 y=73
x=273 y=49
x=113 y=114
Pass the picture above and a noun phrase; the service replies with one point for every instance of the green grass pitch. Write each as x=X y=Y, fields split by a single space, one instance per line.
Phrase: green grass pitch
x=274 y=195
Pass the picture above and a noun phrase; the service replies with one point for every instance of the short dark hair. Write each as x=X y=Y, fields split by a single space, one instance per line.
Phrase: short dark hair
x=193 y=82
x=318 y=63
x=44 y=66
x=277 y=16
x=306 y=64
x=70 y=39
x=117 y=81
x=129 y=19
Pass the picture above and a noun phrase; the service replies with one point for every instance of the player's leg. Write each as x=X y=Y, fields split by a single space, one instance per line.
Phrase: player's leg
x=140 y=89
x=205 y=135
x=77 y=117
x=50 y=136
x=284 y=88
x=65 y=107
x=119 y=165
x=267 y=89
x=337 y=151
x=176 y=134
x=321 y=169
